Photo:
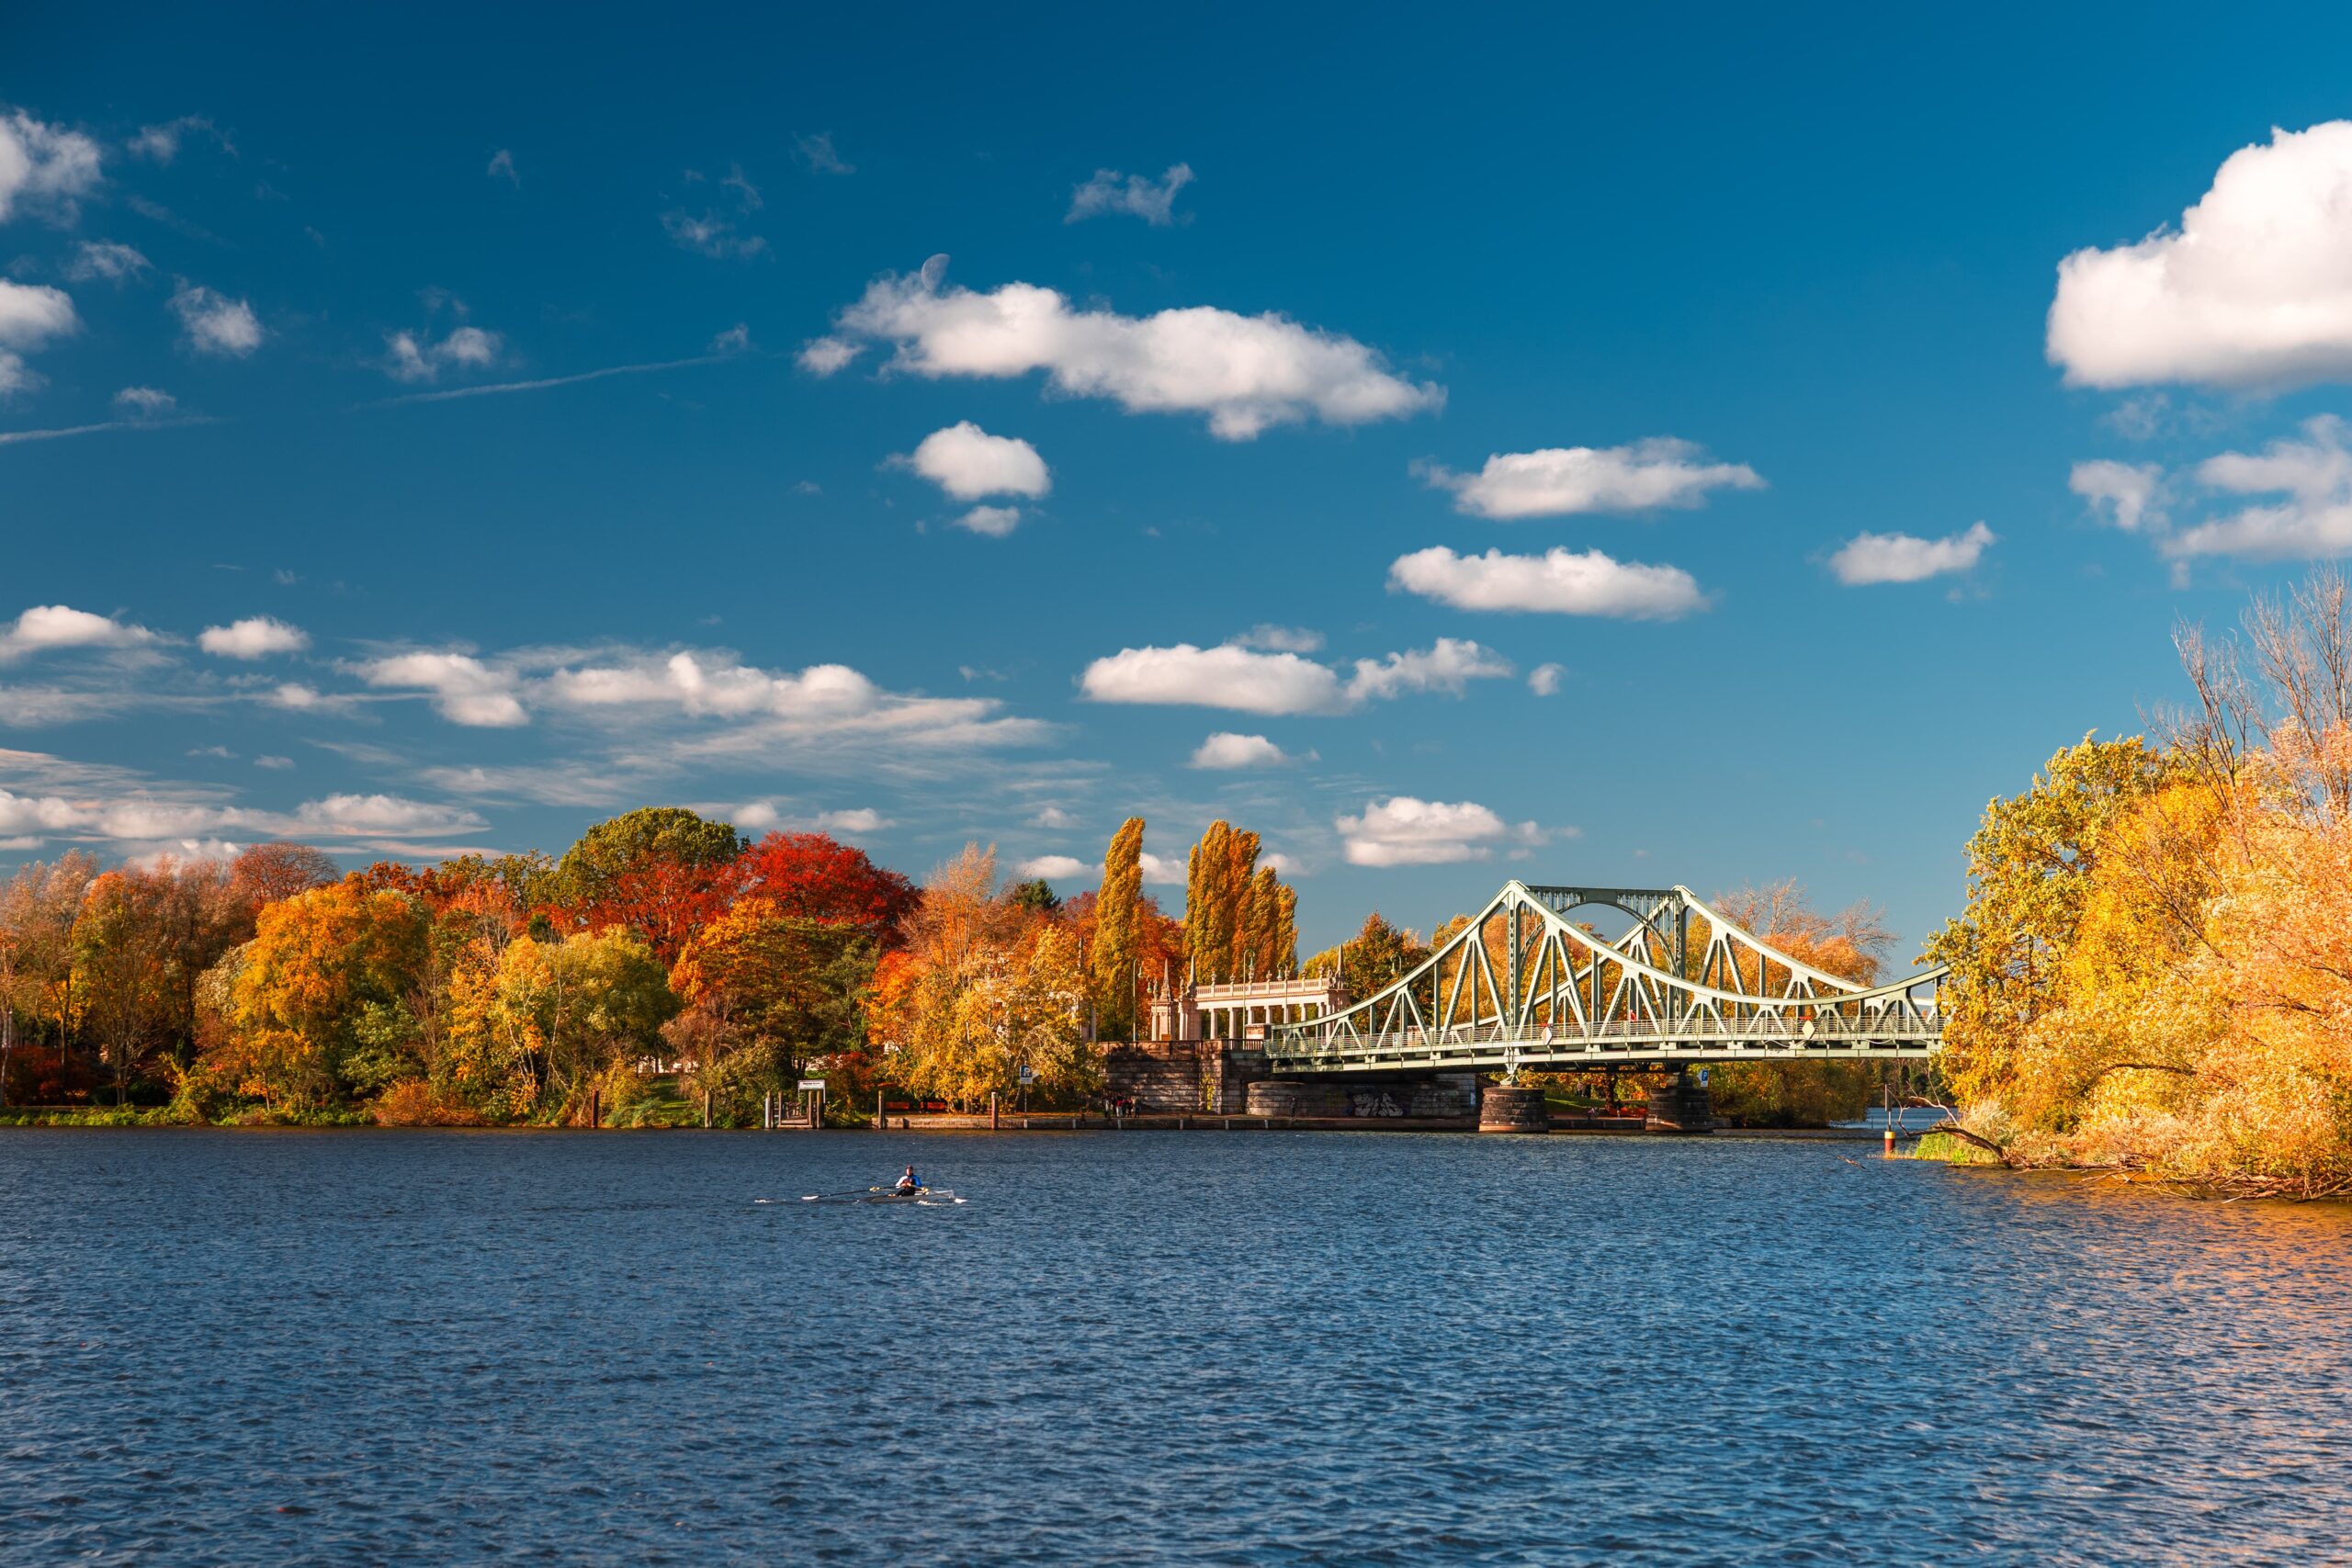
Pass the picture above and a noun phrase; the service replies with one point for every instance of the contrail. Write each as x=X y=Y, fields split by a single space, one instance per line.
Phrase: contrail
x=444 y=395
x=10 y=438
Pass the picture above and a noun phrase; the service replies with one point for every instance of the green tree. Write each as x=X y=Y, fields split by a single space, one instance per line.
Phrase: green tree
x=1036 y=896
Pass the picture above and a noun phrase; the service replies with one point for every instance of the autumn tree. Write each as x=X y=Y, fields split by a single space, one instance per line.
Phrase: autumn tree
x=38 y=990
x=809 y=876
x=321 y=996
x=1116 y=954
x=981 y=988
x=1239 y=921
x=264 y=874
x=2030 y=869
x=1378 y=955
x=765 y=992
x=565 y=1013
x=660 y=871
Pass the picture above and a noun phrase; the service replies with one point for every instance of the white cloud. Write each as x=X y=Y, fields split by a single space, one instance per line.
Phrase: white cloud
x=1642 y=477
x=273 y=763
x=1446 y=666
x=214 y=323
x=968 y=463
x=296 y=697
x=823 y=355
x=736 y=339
x=145 y=402
x=1402 y=830
x=759 y=711
x=97 y=259
x=1246 y=681
x=1281 y=640
x=43 y=166
x=1139 y=196
x=46 y=626
x=2122 y=495
x=414 y=356
x=2252 y=289
x=31 y=314
x=117 y=806
x=1052 y=817
x=2314 y=521
x=161 y=143
x=817 y=151
x=1244 y=372
x=762 y=815
x=1056 y=868
x=1559 y=582
x=710 y=235
x=1868 y=558
x=502 y=167
x=465 y=690
x=1162 y=871
x=993 y=522
x=1545 y=680
x=1226 y=677
x=256 y=636
x=1227 y=749
x=365 y=813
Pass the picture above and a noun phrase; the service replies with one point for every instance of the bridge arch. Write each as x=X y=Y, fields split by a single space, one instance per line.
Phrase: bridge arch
x=1522 y=985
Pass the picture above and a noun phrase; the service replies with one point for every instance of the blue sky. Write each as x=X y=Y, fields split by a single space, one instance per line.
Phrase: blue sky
x=1640 y=324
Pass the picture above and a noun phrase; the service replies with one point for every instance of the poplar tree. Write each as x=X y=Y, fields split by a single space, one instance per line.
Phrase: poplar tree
x=1209 y=904
x=1261 y=913
x=1240 y=873
x=1117 y=934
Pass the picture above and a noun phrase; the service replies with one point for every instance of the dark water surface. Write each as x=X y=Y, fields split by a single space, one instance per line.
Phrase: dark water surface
x=248 y=1348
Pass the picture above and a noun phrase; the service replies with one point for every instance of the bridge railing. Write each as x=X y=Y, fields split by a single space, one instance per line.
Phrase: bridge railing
x=1831 y=1028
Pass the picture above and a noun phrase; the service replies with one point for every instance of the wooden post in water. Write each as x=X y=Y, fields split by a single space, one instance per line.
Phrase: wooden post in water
x=881 y=1111
x=996 y=1122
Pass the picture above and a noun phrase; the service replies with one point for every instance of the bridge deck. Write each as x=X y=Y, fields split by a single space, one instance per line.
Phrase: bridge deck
x=1306 y=1048
x=1563 y=1055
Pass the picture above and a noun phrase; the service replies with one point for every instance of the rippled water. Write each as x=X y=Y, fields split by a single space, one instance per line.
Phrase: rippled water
x=236 y=1347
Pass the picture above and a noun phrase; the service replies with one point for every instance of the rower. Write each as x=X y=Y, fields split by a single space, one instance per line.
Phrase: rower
x=909 y=1182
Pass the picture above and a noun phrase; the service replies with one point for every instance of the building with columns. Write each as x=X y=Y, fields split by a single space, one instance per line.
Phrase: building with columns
x=1240 y=1010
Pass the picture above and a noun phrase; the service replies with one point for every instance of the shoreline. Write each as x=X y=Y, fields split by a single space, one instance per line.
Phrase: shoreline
x=1034 y=1122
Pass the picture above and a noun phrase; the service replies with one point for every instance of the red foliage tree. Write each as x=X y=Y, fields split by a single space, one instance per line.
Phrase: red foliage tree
x=267 y=872
x=813 y=877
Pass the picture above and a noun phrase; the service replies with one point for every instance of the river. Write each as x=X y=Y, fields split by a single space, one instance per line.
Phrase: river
x=243 y=1347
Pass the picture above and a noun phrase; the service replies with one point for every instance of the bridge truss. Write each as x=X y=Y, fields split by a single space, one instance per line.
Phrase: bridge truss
x=1524 y=985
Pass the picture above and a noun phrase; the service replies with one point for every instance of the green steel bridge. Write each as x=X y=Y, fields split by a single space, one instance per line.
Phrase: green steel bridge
x=1525 y=985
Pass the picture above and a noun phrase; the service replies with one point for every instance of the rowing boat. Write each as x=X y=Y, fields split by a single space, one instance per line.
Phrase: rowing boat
x=921 y=1195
